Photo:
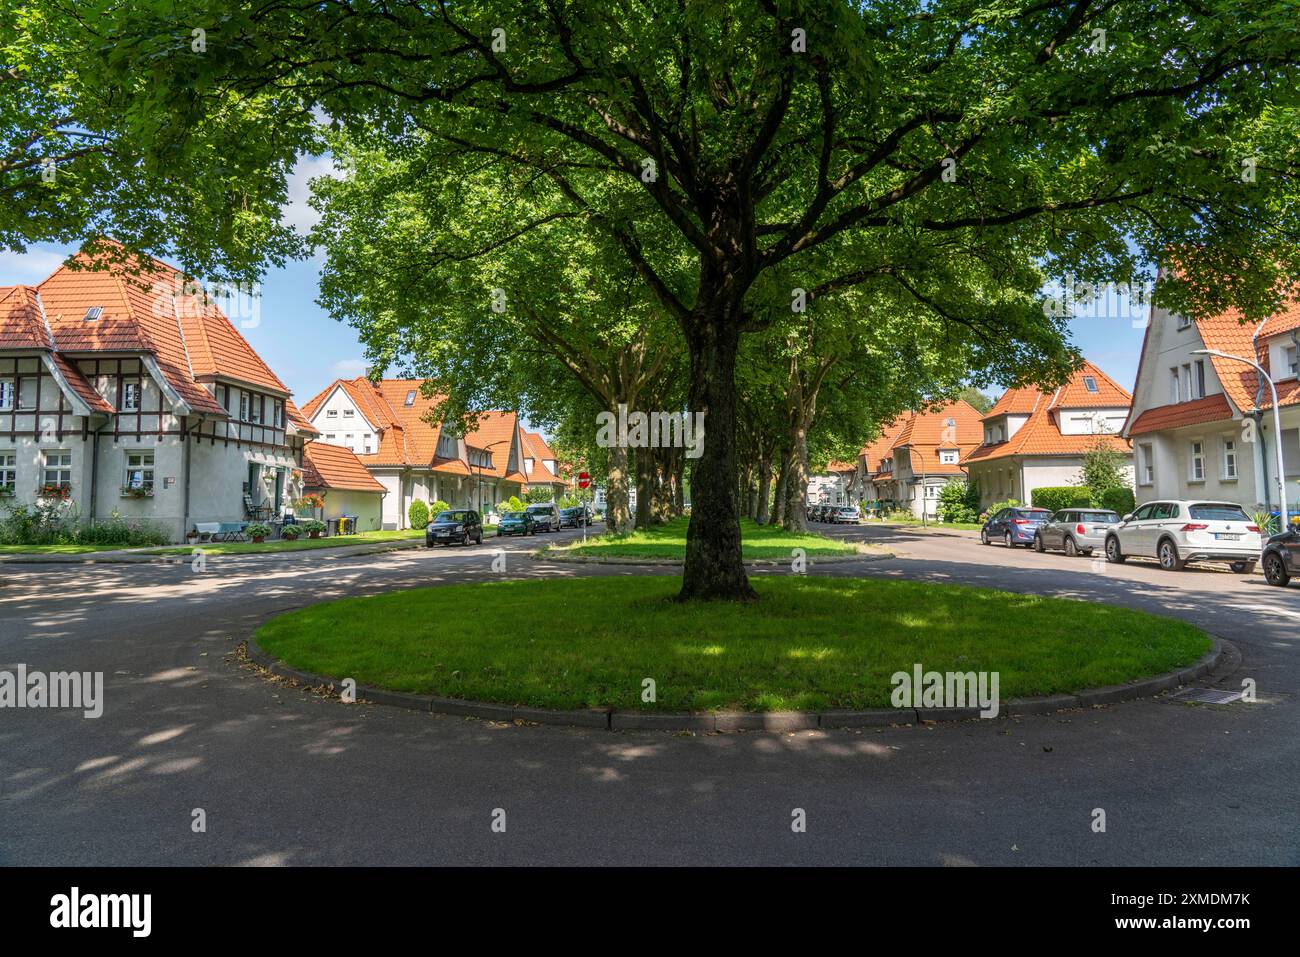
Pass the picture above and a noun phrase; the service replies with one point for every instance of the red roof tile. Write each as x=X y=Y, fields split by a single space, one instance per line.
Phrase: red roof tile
x=334 y=467
x=1213 y=408
x=22 y=326
x=925 y=433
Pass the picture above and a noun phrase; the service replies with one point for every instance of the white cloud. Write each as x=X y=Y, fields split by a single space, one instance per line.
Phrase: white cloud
x=296 y=212
x=30 y=267
x=350 y=367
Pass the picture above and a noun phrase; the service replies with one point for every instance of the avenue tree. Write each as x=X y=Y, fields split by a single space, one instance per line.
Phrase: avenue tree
x=742 y=159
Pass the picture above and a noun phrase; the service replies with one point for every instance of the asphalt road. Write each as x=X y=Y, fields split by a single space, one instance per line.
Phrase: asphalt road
x=286 y=777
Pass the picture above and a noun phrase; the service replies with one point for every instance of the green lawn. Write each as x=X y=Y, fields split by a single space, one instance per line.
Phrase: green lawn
x=932 y=523
x=302 y=544
x=808 y=643
x=669 y=541
x=55 y=549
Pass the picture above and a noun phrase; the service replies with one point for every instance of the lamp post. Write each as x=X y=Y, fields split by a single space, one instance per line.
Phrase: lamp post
x=1277 y=425
x=488 y=449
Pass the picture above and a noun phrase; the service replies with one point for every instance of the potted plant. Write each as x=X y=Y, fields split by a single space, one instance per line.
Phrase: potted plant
x=54 y=491
x=192 y=535
x=137 y=491
x=313 y=528
x=7 y=491
x=290 y=533
x=257 y=531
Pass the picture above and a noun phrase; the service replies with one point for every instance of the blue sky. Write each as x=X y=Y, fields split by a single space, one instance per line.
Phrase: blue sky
x=308 y=350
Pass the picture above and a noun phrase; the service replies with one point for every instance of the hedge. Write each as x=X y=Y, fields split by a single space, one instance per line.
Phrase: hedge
x=1055 y=498
x=1118 y=499
x=418 y=513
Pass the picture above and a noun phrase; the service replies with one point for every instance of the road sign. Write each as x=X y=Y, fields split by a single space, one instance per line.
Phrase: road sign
x=584 y=480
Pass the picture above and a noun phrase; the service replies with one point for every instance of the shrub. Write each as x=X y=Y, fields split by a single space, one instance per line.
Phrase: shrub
x=1056 y=497
x=290 y=533
x=959 y=501
x=1118 y=499
x=312 y=526
x=998 y=506
x=129 y=534
x=418 y=513
x=438 y=506
x=257 y=530
x=537 y=496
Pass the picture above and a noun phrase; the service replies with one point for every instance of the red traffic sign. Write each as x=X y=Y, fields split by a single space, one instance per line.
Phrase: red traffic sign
x=584 y=480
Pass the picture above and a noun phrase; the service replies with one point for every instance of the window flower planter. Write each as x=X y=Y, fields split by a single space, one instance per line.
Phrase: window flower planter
x=132 y=491
x=57 y=493
x=6 y=491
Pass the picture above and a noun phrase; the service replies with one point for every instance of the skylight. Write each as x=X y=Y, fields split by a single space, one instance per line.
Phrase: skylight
x=1090 y=383
x=410 y=397
x=93 y=313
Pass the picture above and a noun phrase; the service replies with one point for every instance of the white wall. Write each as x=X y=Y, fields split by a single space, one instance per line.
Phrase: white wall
x=338 y=417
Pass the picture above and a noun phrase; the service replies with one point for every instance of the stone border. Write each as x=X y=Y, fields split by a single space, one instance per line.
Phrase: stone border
x=541 y=555
x=612 y=720
x=143 y=556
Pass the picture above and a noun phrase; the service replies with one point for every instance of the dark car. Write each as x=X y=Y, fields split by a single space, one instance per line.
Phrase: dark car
x=546 y=516
x=516 y=523
x=575 y=517
x=458 y=525
x=1014 y=526
x=1281 y=557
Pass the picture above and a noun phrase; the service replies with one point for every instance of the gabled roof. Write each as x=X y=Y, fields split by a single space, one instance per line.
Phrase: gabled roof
x=877 y=450
x=925 y=433
x=1041 y=432
x=300 y=423
x=535 y=448
x=334 y=467
x=217 y=350
x=495 y=433
x=21 y=324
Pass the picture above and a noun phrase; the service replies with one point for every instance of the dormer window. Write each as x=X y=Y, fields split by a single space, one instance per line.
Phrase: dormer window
x=93 y=313
x=410 y=398
x=1090 y=383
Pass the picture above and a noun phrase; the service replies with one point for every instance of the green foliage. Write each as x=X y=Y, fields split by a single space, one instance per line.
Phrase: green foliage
x=959 y=501
x=58 y=523
x=1119 y=499
x=998 y=506
x=1056 y=497
x=438 y=506
x=418 y=513
x=290 y=532
x=309 y=527
x=1103 y=468
x=513 y=504
x=976 y=399
x=261 y=529
x=538 y=496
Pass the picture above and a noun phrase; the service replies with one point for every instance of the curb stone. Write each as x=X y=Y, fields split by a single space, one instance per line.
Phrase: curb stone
x=1221 y=652
x=812 y=560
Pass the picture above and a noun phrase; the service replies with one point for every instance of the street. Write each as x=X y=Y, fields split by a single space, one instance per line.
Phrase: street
x=284 y=776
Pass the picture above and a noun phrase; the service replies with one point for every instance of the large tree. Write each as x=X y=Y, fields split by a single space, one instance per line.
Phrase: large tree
x=737 y=153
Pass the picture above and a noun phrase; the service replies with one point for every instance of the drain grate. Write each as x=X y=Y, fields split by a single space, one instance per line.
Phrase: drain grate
x=1206 y=696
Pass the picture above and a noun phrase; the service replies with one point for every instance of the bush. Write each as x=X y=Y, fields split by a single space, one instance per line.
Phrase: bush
x=257 y=530
x=312 y=526
x=998 y=506
x=116 y=531
x=1056 y=497
x=959 y=501
x=290 y=533
x=52 y=522
x=418 y=514
x=438 y=506
x=1118 y=499
x=537 y=496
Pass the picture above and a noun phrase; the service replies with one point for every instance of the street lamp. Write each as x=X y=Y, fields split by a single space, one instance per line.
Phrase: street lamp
x=488 y=449
x=1277 y=424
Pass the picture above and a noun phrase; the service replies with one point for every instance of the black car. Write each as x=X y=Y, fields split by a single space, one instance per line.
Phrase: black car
x=547 y=517
x=575 y=517
x=458 y=525
x=1281 y=557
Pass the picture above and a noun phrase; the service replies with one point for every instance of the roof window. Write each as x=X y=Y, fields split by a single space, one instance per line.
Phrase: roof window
x=410 y=397
x=93 y=313
x=1090 y=383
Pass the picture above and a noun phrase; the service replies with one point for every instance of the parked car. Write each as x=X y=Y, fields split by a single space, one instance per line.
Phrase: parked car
x=1281 y=557
x=459 y=525
x=846 y=515
x=575 y=517
x=1178 y=532
x=516 y=523
x=1016 y=525
x=546 y=516
x=1075 y=530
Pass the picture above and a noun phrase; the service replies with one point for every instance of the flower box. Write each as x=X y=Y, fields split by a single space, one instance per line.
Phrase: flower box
x=137 y=491
x=58 y=493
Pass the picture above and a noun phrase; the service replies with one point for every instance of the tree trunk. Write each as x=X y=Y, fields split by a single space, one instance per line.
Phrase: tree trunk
x=714 y=567
x=664 y=468
x=796 y=491
x=782 y=476
x=679 y=486
x=644 y=487
x=764 y=514
x=617 y=518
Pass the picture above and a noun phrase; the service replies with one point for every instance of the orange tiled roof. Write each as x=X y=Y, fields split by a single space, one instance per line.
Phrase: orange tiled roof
x=81 y=385
x=925 y=433
x=334 y=467
x=495 y=433
x=1041 y=432
x=1213 y=408
x=877 y=450
x=535 y=448
x=294 y=415
x=217 y=350
x=21 y=324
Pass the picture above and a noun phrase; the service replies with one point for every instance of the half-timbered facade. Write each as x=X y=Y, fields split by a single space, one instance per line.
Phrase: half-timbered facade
x=122 y=391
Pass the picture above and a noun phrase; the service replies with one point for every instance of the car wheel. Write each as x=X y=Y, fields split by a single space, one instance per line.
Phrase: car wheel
x=498 y=533
x=464 y=539
x=1038 y=544
x=1170 y=560
x=984 y=537
x=1275 y=572
x=1113 y=554
x=479 y=539
x=1242 y=568
x=1007 y=539
x=1070 y=548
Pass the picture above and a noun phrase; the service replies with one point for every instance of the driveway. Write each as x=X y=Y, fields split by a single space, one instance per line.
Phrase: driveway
x=286 y=777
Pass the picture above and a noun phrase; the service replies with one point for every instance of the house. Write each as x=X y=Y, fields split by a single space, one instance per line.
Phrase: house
x=392 y=428
x=870 y=465
x=1202 y=426
x=344 y=484
x=124 y=390
x=1034 y=438
x=925 y=455
x=832 y=486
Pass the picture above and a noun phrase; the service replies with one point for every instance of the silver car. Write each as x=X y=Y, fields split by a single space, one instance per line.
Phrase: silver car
x=1178 y=532
x=1075 y=531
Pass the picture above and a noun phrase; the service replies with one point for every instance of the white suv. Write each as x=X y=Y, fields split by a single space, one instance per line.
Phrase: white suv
x=1176 y=533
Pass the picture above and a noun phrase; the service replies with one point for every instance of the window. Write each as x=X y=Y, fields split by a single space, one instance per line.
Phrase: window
x=348 y=413
x=1090 y=383
x=528 y=466
x=947 y=457
x=1292 y=365
x=332 y=413
x=27 y=392
x=130 y=396
x=223 y=396
x=1229 y=459
x=1148 y=466
x=1196 y=465
x=93 y=313
x=56 y=467
x=367 y=445
x=1144 y=513
x=1199 y=383
x=139 y=470
x=1187 y=380
x=410 y=398
x=243 y=406
x=277 y=413
x=6 y=394
x=8 y=470
x=1184 y=322
x=255 y=409
x=1173 y=385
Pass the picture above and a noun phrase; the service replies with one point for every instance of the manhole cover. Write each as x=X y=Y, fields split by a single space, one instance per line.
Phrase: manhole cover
x=1206 y=696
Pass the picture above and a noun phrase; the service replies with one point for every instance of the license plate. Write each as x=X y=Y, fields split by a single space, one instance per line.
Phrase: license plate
x=1227 y=536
